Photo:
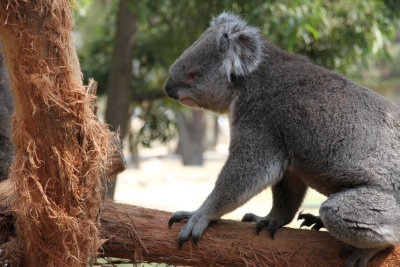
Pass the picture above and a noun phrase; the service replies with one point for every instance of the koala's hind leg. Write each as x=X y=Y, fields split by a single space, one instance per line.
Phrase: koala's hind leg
x=288 y=195
x=365 y=218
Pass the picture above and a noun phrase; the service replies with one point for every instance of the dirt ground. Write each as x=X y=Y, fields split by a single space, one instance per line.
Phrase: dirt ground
x=162 y=182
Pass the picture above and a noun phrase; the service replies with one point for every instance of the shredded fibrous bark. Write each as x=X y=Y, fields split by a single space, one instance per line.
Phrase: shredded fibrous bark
x=60 y=145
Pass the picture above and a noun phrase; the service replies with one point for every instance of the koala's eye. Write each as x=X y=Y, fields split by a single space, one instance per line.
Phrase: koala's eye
x=191 y=75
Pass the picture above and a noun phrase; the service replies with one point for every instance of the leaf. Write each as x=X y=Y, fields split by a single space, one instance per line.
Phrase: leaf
x=313 y=31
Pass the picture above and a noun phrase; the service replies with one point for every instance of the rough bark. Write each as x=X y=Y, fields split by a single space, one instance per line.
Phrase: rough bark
x=191 y=129
x=60 y=146
x=119 y=80
x=142 y=235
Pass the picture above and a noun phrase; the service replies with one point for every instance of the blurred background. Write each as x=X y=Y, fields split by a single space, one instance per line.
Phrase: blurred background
x=173 y=153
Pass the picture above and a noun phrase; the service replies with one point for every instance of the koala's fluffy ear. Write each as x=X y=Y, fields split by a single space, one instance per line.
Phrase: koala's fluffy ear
x=240 y=44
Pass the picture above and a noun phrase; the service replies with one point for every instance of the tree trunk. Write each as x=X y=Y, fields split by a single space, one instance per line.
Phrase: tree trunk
x=60 y=146
x=6 y=108
x=119 y=81
x=191 y=129
x=213 y=134
x=134 y=149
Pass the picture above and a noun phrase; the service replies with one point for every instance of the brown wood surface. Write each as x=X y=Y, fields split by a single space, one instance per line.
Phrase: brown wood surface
x=142 y=235
x=61 y=148
x=131 y=230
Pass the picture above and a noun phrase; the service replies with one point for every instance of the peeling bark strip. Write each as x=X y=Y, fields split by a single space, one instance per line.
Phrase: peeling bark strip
x=142 y=234
x=60 y=146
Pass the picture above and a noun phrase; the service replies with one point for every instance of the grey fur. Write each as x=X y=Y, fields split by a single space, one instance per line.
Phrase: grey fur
x=293 y=125
x=240 y=44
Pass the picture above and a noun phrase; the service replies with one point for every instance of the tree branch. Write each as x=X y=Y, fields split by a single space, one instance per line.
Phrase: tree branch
x=142 y=234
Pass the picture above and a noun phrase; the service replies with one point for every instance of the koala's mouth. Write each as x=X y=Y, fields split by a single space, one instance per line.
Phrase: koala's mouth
x=187 y=101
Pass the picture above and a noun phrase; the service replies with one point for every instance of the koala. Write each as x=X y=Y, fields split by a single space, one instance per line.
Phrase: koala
x=293 y=125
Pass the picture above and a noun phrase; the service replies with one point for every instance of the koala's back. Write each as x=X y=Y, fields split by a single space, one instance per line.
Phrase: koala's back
x=336 y=133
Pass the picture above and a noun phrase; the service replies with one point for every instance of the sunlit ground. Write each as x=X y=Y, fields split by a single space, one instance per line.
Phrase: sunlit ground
x=162 y=182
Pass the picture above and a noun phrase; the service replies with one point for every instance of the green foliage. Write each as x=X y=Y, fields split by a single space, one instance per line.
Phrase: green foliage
x=95 y=29
x=335 y=34
x=158 y=124
x=338 y=34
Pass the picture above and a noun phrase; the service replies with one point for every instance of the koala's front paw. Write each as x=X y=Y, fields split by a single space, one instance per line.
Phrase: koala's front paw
x=309 y=220
x=179 y=216
x=271 y=223
x=195 y=226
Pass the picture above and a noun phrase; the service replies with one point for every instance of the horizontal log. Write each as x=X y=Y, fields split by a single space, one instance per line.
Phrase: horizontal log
x=142 y=234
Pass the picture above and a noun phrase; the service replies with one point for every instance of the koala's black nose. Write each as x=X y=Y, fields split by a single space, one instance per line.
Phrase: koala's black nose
x=170 y=88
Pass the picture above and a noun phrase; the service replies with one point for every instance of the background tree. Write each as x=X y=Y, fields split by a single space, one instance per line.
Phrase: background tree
x=191 y=129
x=117 y=114
x=120 y=75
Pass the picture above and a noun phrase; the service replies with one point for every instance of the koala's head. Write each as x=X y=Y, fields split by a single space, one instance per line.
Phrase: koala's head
x=202 y=75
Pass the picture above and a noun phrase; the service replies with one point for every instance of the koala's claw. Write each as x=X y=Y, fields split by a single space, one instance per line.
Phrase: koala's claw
x=260 y=225
x=271 y=224
x=195 y=226
x=309 y=220
x=358 y=256
x=179 y=216
x=183 y=235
